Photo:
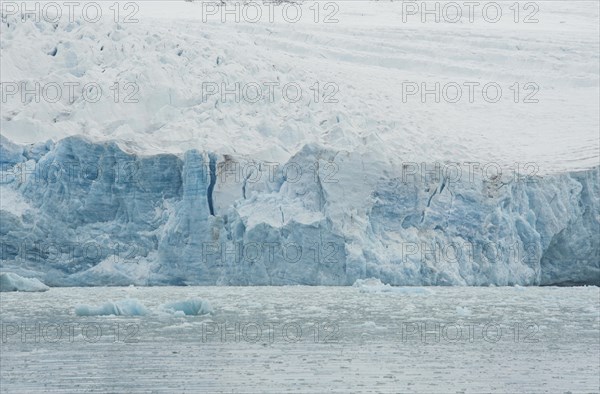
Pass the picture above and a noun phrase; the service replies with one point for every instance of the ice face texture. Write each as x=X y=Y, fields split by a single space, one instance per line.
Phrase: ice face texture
x=128 y=307
x=191 y=307
x=14 y=282
x=86 y=213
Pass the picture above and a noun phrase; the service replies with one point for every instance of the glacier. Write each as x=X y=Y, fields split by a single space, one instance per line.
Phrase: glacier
x=80 y=213
x=177 y=188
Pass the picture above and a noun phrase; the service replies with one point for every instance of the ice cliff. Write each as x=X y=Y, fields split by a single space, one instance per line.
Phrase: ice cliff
x=78 y=212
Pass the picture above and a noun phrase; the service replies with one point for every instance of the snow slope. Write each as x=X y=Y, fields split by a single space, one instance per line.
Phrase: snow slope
x=368 y=55
x=181 y=187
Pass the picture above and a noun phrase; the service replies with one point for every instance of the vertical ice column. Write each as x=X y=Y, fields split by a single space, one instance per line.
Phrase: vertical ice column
x=189 y=228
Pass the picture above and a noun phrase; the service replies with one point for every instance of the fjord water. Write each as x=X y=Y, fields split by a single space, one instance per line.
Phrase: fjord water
x=306 y=339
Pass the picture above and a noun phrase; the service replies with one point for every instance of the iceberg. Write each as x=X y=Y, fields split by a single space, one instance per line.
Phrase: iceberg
x=14 y=282
x=191 y=307
x=128 y=307
x=374 y=285
x=133 y=307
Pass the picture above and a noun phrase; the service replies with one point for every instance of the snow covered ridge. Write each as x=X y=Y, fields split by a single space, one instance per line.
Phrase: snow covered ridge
x=188 y=219
x=158 y=89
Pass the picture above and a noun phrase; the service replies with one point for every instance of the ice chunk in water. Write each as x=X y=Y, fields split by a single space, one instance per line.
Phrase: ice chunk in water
x=128 y=307
x=14 y=282
x=192 y=307
x=374 y=285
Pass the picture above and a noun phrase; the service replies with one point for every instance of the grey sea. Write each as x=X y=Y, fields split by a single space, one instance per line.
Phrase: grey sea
x=305 y=340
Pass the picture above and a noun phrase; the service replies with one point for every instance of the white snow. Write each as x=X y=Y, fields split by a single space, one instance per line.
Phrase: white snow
x=13 y=202
x=367 y=55
x=14 y=282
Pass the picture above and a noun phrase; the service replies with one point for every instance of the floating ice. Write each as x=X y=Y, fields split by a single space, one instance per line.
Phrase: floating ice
x=191 y=307
x=374 y=285
x=463 y=311
x=14 y=282
x=369 y=283
x=128 y=307
x=132 y=307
